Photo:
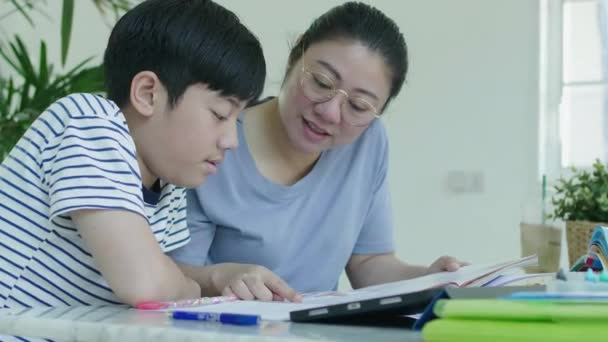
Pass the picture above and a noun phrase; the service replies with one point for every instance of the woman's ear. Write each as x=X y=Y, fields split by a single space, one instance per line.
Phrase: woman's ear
x=145 y=92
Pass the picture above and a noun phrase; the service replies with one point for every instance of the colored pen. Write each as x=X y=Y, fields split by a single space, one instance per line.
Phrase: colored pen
x=226 y=318
x=184 y=303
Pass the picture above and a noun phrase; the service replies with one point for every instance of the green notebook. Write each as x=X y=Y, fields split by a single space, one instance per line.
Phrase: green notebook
x=443 y=330
x=523 y=310
x=505 y=320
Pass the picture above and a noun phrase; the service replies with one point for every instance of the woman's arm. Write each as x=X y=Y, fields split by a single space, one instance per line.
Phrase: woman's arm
x=367 y=270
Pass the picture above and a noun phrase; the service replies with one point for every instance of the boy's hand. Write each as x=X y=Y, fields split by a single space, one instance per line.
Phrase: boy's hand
x=446 y=263
x=251 y=282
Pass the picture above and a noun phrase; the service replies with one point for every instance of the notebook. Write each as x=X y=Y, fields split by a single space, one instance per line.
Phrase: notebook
x=442 y=330
x=525 y=279
x=529 y=310
x=504 y=320
x=473 y=275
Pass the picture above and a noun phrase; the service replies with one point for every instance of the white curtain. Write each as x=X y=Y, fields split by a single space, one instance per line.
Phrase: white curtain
x=603 y=23
x=550 y=87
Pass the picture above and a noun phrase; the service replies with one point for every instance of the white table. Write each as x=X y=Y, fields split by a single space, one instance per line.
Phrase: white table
x=116 y=323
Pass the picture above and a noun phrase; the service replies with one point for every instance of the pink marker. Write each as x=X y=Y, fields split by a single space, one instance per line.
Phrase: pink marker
x=152 y=305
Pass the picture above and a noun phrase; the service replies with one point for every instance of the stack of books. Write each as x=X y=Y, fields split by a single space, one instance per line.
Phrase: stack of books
x=499 y=320
x=573 y=307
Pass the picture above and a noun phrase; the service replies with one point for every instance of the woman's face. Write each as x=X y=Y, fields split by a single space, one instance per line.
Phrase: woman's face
x=361 y=83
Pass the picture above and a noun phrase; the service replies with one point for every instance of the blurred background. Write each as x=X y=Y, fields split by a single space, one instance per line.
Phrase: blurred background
x=500 y=95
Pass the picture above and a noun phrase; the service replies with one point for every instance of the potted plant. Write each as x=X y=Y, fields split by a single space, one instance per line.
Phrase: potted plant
x=34 y=84
x=581 y=200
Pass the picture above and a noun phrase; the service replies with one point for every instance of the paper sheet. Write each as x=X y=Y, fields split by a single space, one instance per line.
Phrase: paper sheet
x=272 y=311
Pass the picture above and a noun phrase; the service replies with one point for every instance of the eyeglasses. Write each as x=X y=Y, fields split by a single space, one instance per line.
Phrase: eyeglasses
x=318 y=87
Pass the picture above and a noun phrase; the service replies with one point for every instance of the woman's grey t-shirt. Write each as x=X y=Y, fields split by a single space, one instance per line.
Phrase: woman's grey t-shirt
x=306 y=232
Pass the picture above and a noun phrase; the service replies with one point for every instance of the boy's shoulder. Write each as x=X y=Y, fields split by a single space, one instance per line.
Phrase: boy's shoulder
x=76 y=122
x=88 y=115
x=80 y=105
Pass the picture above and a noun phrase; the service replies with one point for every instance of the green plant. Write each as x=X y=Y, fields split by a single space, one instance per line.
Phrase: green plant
x=105 y=7
x=583 y=196
x=35 y=85
x=24 y=97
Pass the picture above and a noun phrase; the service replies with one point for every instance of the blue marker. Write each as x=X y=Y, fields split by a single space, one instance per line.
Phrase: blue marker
x=226 y=318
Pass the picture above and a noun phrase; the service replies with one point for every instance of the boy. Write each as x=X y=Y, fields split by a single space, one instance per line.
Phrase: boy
x=92 y=195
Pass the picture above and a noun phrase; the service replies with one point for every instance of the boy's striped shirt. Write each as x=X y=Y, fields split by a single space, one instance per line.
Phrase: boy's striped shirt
x=78 y=154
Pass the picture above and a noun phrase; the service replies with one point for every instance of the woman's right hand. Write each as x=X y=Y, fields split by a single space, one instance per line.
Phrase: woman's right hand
x=251 y=282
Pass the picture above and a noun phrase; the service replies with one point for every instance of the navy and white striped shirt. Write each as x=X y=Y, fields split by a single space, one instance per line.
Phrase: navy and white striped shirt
x=78 y=154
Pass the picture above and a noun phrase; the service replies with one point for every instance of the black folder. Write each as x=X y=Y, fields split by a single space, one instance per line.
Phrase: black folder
x=394 y=310
x=383 y=311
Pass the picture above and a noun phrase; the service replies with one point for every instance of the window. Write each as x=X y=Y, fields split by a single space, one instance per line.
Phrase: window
x=582 y=128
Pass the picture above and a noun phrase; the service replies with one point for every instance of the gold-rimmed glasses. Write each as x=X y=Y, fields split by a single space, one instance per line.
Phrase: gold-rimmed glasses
x=318 y=87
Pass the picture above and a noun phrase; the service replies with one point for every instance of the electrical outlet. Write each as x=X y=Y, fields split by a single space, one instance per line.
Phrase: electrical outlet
x=460 y=181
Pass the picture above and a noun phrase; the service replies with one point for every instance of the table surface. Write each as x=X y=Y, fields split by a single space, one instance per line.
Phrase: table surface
x=117 y=323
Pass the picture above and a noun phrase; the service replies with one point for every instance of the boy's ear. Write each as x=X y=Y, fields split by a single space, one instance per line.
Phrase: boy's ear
x=146 y=91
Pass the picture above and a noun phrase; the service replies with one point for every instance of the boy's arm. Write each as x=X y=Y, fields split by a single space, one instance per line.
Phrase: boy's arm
x=130 y=259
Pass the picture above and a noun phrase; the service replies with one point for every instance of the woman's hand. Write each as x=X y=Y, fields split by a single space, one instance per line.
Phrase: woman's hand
x=446 y=264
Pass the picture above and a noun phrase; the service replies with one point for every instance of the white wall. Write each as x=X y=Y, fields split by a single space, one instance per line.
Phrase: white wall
x=470 y=105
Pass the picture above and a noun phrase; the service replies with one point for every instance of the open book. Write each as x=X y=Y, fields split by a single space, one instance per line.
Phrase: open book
x=473 y=275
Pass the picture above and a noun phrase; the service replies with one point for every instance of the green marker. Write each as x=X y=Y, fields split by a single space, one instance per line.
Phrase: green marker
x=604 y=276
x=543 y=197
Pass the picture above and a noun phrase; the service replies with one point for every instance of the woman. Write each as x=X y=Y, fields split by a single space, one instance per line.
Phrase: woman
x=305 y=195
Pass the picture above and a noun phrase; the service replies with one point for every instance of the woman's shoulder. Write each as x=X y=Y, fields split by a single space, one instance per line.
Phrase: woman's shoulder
x=375 y=138
x=370 y=149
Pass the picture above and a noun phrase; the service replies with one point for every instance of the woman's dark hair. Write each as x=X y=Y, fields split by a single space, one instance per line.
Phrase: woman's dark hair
x=365 y=24
x=184 y=42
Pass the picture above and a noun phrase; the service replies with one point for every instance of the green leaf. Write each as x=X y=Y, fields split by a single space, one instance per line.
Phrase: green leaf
x=583 y=195
x=67 y=76
x=4 y=104
x=10 y=61
x=67 y=17
x=24 y=94
x=21 y=9
x=115 y=6
x=23 y=58
x=88 y=80
x=35 y=84
x=43 y=70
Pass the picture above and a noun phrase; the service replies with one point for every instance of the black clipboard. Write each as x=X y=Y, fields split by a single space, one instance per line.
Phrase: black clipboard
x=381 y=311
x=391 y=310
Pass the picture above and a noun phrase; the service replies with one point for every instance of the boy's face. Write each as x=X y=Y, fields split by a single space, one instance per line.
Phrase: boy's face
x=185 y=143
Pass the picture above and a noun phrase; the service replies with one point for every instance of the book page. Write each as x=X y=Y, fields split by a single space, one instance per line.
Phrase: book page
x=280 y=310
x=273 y=311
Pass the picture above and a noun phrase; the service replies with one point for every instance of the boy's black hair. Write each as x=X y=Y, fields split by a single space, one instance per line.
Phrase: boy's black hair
x=365 y=24
x=184 y=42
